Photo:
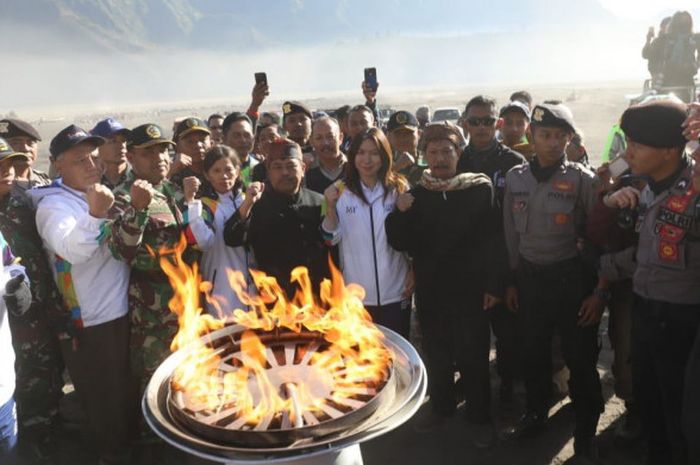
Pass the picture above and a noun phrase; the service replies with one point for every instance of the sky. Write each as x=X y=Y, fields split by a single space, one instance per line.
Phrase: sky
x=414 y=47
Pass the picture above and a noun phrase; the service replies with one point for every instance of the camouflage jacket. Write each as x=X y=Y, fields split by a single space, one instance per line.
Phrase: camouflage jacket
x=137 y=237
x=18 y=227
x=36 y=179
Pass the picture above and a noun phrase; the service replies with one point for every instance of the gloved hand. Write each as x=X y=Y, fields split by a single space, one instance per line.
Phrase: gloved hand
x=18 y=296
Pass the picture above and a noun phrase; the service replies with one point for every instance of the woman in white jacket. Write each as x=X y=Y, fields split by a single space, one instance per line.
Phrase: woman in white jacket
x=357 y=207
x=206 y=218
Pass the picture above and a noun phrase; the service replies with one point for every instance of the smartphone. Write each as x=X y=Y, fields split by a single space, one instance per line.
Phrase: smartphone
x=260 y=77
x=618 y=166
x=371 y=78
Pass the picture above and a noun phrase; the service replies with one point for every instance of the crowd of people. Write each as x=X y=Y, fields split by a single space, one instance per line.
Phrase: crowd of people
x=673 y=54
x=498 y=223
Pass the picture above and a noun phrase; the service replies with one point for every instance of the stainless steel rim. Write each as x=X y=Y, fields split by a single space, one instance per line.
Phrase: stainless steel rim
x=403 y=400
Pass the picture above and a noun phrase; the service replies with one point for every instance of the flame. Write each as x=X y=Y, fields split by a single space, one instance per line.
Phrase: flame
x=252 y=391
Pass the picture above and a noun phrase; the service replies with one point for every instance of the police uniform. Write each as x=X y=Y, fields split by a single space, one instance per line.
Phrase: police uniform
x=544 y=209
x=666 y=314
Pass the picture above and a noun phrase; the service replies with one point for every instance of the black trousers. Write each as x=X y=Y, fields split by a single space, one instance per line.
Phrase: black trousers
x=396 y=316
x=550 y=298
x=662 y=338
x=504 y=324
x=99 y=369
x=456 y=335
x=691 y=402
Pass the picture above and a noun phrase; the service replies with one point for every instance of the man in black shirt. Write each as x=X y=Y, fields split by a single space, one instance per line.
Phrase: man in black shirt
x=486 y=155
x=281 y=220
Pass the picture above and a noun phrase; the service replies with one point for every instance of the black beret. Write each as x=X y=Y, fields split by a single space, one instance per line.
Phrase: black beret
x=555 y=115
x=232 y=118
x=291 y=107
x=656 y=124
x=11 y=127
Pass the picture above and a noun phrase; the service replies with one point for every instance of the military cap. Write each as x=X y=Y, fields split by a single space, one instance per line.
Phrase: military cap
x=656 y=124
x=281 y=149
x=147 y=135
x=12 y=127
x=556 y=115
x=291 y=107
x=69 y=138
x=515 y=106
x=190 y=125
x=232 y=118
x=109 y=127
x=7 y=152
x=402 y=120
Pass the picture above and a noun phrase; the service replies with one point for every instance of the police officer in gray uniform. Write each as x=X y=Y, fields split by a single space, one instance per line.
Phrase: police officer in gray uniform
x=545 y=207
x=666 y=281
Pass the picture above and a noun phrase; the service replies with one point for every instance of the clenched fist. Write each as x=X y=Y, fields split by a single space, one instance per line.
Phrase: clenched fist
x=404 y=201
x=190 y=186
x=100 y=199
x=252 y=195
x=141 y=194
x=332 y=194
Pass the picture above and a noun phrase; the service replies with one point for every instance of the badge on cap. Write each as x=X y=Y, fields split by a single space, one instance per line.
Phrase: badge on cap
x=153 y=132
x=191 y=123
x=402 y=118
x=287 y=108
x=538 y=115
x=4 y=128
x=3 y=146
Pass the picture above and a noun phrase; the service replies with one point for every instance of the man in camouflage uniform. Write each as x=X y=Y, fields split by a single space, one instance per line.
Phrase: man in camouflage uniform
x=38 y=362
x=147 y=217
x=24 y=138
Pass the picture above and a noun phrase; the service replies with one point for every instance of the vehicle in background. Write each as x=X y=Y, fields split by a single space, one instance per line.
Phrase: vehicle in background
x=450 y=114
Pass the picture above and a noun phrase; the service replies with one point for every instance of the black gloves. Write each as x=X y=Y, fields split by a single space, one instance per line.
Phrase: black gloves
x=18 y=296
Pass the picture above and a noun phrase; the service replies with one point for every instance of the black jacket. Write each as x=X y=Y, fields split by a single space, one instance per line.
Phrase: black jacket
x=494 y=161
x=283 y=232
x=448 y=235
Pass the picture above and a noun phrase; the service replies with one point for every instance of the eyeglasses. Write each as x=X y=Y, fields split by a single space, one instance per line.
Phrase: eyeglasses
x=485 y=121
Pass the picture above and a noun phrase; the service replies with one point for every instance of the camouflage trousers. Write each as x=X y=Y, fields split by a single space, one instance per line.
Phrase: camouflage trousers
x=39 y=369
x=153 y=325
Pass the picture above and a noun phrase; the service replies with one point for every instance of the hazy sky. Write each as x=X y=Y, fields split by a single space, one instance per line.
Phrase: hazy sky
x=509 y=47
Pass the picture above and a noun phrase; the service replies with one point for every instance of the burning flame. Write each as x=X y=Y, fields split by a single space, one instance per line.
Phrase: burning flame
x=346 y=357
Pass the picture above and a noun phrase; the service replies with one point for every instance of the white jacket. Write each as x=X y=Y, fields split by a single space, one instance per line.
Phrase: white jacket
x=92 y=282
x=217 y=257
x=366 y=257
x=8 y=269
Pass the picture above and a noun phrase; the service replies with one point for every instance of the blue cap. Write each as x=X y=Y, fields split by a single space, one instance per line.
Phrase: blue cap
x=69 y=138
x=109 y=127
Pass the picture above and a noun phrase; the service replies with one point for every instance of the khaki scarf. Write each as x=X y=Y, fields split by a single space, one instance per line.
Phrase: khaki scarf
x=459 y=182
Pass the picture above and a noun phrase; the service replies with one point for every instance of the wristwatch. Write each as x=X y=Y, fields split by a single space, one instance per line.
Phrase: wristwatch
x=602 y=294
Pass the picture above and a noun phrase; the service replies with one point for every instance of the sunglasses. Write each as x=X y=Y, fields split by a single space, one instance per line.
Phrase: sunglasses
x=485 y=121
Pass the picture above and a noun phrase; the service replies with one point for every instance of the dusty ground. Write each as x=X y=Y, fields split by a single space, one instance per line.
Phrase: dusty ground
x=451 y=445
